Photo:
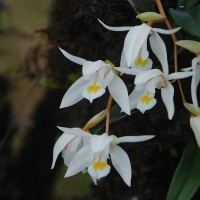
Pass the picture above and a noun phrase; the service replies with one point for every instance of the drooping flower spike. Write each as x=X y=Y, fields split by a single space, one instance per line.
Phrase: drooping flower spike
x=93 y=156
x=135 y=54
x=96 y=77
x=195 y=68
x=147 y=82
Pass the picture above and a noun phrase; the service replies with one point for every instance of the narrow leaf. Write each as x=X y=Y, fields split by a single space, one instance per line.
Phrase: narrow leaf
x=186 y=179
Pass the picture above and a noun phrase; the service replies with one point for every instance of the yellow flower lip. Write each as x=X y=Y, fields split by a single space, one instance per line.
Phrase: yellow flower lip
x=99 y=165
x=93 y=88
x=141 y=63
x=146 y=99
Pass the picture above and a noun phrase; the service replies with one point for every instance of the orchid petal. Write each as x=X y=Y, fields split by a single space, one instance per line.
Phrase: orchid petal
x=144 y=51
x=129 y=71
x=100 y=142
x=195 y=125
x=133 y=138
x=146 y=101
x=167 y=94
x=144 y=76
x=99 y=168
x=111 y=28
x=75 y=131
x=123 y=62
x=194 y=85
x=179 y=75
x=134 y=41
x=187 y=69
x=74 y=144
x=119 y=92
x=134 y=98
x=108 y=78
x=74 y=93
x=80 y=161
x=75 y=59
x=90 y=67
x=121 y=162
x=68 y=156
x=159 y=49
x=167 y=32
x=60 y=144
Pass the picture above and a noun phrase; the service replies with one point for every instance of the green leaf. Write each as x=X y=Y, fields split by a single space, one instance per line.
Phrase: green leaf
x=186 y=180
x=188 y=20
x=187 y=4
x=144 y=5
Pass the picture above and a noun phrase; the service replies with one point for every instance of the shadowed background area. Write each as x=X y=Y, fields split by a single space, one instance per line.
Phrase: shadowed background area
x=34 y=76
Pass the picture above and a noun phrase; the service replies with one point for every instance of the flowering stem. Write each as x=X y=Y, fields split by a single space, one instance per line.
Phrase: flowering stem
x=174 y=38
x=108 y=114
x=93 y=123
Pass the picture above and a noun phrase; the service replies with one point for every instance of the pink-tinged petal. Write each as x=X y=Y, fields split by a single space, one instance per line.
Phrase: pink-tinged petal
x=111 y=28
x=179 y=75
x=159 y=49
x=60 y=144
x=90 y=67
x=144 y=76
x=140 y=138
x=81 y=160
x=75 y=59
x=127 y=70
x=74 y=93
x=166 y=32
x=100 y=142
x=134 y=40
x=121 y=162
x=167 y=94
x=119 y=92
x=75 y=132
x=195 y=125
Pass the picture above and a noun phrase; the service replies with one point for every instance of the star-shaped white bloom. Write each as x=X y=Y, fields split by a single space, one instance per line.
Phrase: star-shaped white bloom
x=195 y=68
x=135 y=56
x=93 y=157
x=96 y=77
x=147 y=82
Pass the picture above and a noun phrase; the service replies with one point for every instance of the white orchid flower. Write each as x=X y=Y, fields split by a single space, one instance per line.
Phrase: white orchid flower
x=146 y=82
x=96 y=77
x=69 y=143
x=195 y=78
x=135 y=54
x=194 y=120
x=93 y=156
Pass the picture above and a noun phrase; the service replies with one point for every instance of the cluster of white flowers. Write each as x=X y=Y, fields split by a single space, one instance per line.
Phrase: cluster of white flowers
x=85 y=152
